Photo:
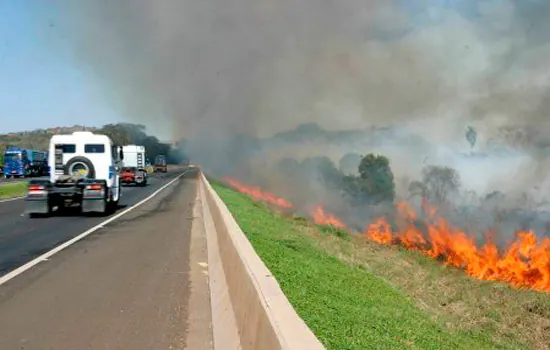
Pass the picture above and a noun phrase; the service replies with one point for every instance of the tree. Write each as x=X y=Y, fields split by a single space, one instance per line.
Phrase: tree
x=116 y=132
x=349 y=163
x=418 y=188
x=440 y=182
x=134 y=134
x=375 y=183
x=471 y=136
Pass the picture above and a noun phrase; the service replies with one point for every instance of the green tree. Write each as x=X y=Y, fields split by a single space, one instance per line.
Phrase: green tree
x=375 y=183
x=134 y=134
x=116 y=132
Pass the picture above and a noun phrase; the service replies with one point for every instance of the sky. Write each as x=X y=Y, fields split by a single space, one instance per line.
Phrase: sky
x=41 y=87
x=44 y=82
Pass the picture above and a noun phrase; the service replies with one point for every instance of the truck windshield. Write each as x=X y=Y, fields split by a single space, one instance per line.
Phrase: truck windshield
x=9 y=157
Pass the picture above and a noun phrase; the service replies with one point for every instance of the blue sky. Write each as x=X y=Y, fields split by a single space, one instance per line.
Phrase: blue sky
x=40 y=87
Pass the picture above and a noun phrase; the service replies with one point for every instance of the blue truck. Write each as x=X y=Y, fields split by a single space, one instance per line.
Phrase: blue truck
x=25 y=162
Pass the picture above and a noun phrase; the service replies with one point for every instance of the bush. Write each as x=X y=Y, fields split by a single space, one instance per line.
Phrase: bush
x=375 y=183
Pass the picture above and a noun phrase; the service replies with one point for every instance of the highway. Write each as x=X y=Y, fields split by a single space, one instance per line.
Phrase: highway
x=22 y=238
x=125 y=286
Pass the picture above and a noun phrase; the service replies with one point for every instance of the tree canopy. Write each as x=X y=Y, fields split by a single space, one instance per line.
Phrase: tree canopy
x=375 y=183
x=438 y=182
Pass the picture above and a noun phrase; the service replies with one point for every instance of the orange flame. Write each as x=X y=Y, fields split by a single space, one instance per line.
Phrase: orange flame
x=258 y=194
x=524 y=263
x=321 y=218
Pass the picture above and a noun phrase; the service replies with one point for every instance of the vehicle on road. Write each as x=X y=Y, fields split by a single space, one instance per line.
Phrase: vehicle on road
x=160 y=164
x=133 y=170
x=24 y=162
x=84 y=173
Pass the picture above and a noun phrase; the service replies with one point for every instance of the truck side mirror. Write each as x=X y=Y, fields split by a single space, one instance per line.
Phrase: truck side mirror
x=121 y=154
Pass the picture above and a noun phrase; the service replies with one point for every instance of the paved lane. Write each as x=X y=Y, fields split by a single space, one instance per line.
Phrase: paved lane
x=22 y=239
x=126 y=286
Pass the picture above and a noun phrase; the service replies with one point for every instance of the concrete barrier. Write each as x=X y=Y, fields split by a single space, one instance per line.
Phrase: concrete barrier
x=249 y=308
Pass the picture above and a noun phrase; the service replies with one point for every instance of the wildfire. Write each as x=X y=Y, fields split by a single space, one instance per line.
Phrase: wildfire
x=321 y=218
x=524 y=263
x=258 y=194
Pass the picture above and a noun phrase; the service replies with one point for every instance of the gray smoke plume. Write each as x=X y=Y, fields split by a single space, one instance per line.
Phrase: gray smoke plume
x=211 y=70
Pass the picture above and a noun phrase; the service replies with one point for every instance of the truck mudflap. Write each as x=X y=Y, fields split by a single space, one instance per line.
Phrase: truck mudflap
x=91 y=205
x=38 y=207
x=94 y=197
x=38 y=198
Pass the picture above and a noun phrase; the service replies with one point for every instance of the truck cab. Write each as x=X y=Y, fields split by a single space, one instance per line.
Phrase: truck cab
x=84 y=171
x=16 y=163
x=24 y=162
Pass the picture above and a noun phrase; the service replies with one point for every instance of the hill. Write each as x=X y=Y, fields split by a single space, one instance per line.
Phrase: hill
x=36 y=139
x=121 y=134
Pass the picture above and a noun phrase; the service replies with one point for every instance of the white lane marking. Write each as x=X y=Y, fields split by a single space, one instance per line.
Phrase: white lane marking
x=18 y=198
x=10 y=199
x=47 y=255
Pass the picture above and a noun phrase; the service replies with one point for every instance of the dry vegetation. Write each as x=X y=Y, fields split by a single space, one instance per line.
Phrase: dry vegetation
x=451 y=297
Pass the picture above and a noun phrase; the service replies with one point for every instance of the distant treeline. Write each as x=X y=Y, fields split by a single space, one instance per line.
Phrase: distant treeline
x=121 y=134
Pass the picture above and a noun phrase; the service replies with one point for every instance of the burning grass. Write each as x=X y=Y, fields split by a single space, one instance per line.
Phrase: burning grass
x=525 y=263
x=354 y=293
x=13 y=190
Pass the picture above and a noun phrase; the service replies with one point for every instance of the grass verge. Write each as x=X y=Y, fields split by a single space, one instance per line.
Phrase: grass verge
x=13 y=190
x=354 y=294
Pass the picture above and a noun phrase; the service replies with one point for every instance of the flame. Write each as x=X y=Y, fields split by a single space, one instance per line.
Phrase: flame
x=524 y=263
x=321 y=218
x=258 y=194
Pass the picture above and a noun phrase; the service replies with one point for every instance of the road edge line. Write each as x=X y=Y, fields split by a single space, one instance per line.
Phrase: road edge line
x=11 y=199
x=21 y=269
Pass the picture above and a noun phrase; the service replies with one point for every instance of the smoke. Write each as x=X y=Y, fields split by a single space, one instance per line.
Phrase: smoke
x=210 y=71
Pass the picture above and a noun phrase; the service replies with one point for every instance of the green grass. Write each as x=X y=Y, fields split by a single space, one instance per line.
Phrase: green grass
x=12 y=190
x=345 y=304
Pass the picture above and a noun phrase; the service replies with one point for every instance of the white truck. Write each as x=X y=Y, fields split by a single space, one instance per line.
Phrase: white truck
x=84 y=172
x=133 y=170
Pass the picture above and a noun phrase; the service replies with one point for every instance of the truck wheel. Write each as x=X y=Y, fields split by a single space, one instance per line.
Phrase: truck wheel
x=80 y=165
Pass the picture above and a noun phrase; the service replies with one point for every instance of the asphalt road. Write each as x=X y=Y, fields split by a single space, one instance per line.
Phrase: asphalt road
x=134 y=284
x=23 y=239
